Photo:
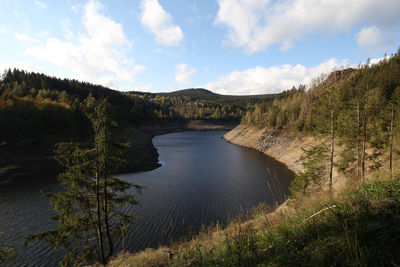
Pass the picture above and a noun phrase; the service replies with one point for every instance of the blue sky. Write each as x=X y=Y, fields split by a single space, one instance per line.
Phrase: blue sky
x=227 y=46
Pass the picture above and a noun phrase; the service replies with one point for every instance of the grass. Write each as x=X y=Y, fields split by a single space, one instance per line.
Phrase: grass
x=358 y=227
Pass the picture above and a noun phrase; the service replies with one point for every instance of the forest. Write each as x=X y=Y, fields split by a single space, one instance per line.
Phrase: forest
x=354 y=109
x=199 y=103
x=39 y=109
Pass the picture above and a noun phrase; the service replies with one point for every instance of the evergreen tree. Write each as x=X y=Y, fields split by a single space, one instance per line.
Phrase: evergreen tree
x=89 y=212
x=314 y=161
x=7 y=253
x=395 y=100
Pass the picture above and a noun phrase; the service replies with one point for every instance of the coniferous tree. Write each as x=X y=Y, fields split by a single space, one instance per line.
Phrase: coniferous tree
x=314 y=162
x=325 y=122
x=7 y=251
x=7 y=254
x=89 y=212
x=395 y=100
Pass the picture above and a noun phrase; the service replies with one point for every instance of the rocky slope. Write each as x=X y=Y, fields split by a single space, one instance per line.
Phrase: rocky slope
x=284 y=146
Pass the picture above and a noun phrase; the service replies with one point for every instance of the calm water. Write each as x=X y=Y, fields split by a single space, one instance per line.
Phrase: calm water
x=203 y=180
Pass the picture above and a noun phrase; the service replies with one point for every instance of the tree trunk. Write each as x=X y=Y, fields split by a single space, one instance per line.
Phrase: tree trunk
x=105 y=188
x=364 y=138
x=99 y=230
x=358 y=138
x=391 y=141
x=332 y=147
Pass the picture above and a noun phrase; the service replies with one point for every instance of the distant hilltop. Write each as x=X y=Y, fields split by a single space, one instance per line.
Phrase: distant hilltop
x=201 y=94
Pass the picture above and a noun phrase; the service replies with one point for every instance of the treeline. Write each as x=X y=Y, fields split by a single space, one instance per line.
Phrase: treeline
x=184 y=107
x=202 y=104
x=356 y=108
x=38 y=109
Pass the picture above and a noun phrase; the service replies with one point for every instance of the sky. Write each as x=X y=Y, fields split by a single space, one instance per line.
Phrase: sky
x=235 y=47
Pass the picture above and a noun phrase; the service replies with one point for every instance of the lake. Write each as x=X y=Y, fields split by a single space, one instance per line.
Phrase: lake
x=203 y=180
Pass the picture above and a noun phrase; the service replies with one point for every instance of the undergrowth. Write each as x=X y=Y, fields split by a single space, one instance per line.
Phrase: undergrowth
x=360 y=227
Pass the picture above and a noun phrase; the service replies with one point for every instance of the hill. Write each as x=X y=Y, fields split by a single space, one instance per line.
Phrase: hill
x=202 y=104
x=192 y=93
x=204 y=94
x=37 y=111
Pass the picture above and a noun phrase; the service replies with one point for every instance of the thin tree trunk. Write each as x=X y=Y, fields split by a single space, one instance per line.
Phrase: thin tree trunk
x=106 y=219
x=122 y=239
x=358 y=138
x=332 y=148
x=391 y=141
x=107 y=223
x=99 y=230
x=105 y=189
x=364 y=139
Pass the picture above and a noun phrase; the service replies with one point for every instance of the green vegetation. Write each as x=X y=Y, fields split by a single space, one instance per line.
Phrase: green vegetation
x=314 y=163
x=202 y=104
x=7 y=253
x=36 y=109
x=357 y=107
x=89 y=211
x=359 y=227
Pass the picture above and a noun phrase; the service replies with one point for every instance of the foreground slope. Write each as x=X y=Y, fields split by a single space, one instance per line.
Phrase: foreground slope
x=359 y=227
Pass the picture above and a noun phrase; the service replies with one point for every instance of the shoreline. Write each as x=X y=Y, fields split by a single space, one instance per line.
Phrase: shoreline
x=284 y=146
x=18 y=164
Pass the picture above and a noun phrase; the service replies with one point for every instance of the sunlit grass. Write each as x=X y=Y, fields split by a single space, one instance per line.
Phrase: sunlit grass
x=358 y=227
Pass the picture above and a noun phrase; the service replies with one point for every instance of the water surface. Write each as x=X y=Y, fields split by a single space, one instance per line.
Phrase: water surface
x=203 y=180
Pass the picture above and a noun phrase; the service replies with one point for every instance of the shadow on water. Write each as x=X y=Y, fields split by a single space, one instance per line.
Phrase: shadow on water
x=203 y=180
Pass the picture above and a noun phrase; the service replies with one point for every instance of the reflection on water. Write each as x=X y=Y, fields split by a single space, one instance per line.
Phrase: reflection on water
x=203 y=180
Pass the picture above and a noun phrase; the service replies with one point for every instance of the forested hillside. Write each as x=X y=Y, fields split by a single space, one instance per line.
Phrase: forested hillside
x=38 y=109
x=358 y=107
x=198 y=103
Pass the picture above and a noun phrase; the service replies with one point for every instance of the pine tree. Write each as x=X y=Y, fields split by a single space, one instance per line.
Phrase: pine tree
x=314 y=161
x=89 y=211
x=7 y=253
x=394 y=103
x=325 y=122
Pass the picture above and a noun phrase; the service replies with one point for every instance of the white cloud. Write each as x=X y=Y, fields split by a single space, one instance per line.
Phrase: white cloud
x=75 y=9
x=43 y=34
x=143 y=88
x=66 y=28
x=160 y=23
x=270 y=80
x=27 y=66
x=256 y=25
x=183 y=73
x=40 y=4
x=24 y=38
x=372 y=40
x=286 y=45
x=97 y=56
x=3 y=29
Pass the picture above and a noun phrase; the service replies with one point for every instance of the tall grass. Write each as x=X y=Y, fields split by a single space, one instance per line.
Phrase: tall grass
x=359 y=227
